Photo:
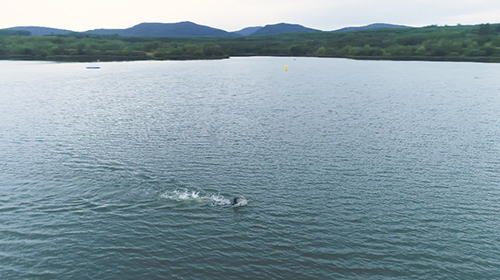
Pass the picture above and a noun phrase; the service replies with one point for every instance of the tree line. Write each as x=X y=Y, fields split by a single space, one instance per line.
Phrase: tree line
x=450 y=43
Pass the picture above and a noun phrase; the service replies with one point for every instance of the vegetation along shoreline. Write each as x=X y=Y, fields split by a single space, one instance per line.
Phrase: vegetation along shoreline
x=473 y=43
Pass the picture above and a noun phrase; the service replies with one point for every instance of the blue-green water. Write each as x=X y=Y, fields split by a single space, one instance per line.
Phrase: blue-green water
x=352 y=170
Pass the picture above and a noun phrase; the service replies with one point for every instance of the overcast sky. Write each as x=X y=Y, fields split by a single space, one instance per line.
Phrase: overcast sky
x=232 y=15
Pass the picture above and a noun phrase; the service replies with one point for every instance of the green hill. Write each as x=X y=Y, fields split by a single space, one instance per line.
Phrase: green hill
x=370 y=27
x=247 y=31
x=41 y=31
x=180 y=29
x=281 y=28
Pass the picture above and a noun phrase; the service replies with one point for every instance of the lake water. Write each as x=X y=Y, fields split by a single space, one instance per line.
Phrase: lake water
x=352 y=170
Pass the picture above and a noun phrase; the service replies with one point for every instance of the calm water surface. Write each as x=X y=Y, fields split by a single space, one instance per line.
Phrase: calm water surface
x=352 y=170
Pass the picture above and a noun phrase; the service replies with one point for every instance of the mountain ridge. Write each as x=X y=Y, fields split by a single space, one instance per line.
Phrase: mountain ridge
x=191 y=29
x=370 y=27
x=281 y=28
x=154 y=29
x=247 y=31
x=41 y=31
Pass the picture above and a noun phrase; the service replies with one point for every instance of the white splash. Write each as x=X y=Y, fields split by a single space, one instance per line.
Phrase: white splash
x=187 y=195
x=217 y=200
x=242 y=202
x=181 y=195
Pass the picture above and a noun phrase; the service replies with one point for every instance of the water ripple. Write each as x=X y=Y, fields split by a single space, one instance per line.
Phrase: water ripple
x=357 y=170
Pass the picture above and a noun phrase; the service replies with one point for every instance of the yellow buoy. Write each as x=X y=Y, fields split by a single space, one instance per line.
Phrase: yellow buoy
x=286 y=67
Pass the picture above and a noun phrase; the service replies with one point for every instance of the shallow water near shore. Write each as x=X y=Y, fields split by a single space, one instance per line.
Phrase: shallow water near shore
x=352 y=169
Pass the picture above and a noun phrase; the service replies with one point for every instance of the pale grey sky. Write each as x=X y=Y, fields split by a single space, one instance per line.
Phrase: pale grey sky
x=232 y=15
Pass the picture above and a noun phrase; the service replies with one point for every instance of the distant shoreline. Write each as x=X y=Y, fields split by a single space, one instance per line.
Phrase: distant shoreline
x=125 y=59
x=474 y=43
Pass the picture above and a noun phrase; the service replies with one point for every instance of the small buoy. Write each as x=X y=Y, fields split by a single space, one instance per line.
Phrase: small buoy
x=286 y=67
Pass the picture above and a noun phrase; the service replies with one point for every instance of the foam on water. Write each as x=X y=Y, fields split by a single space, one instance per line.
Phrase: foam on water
x=189 y=195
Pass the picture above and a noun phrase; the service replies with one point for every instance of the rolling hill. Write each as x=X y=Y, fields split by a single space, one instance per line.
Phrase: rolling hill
x=190 y=29
x=180 y=29
x=281 y=28
x=247 y=31
x=41 y=31
x=369 y=27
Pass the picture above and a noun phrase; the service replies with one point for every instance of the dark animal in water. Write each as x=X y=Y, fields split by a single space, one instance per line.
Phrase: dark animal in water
x=237 y=200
